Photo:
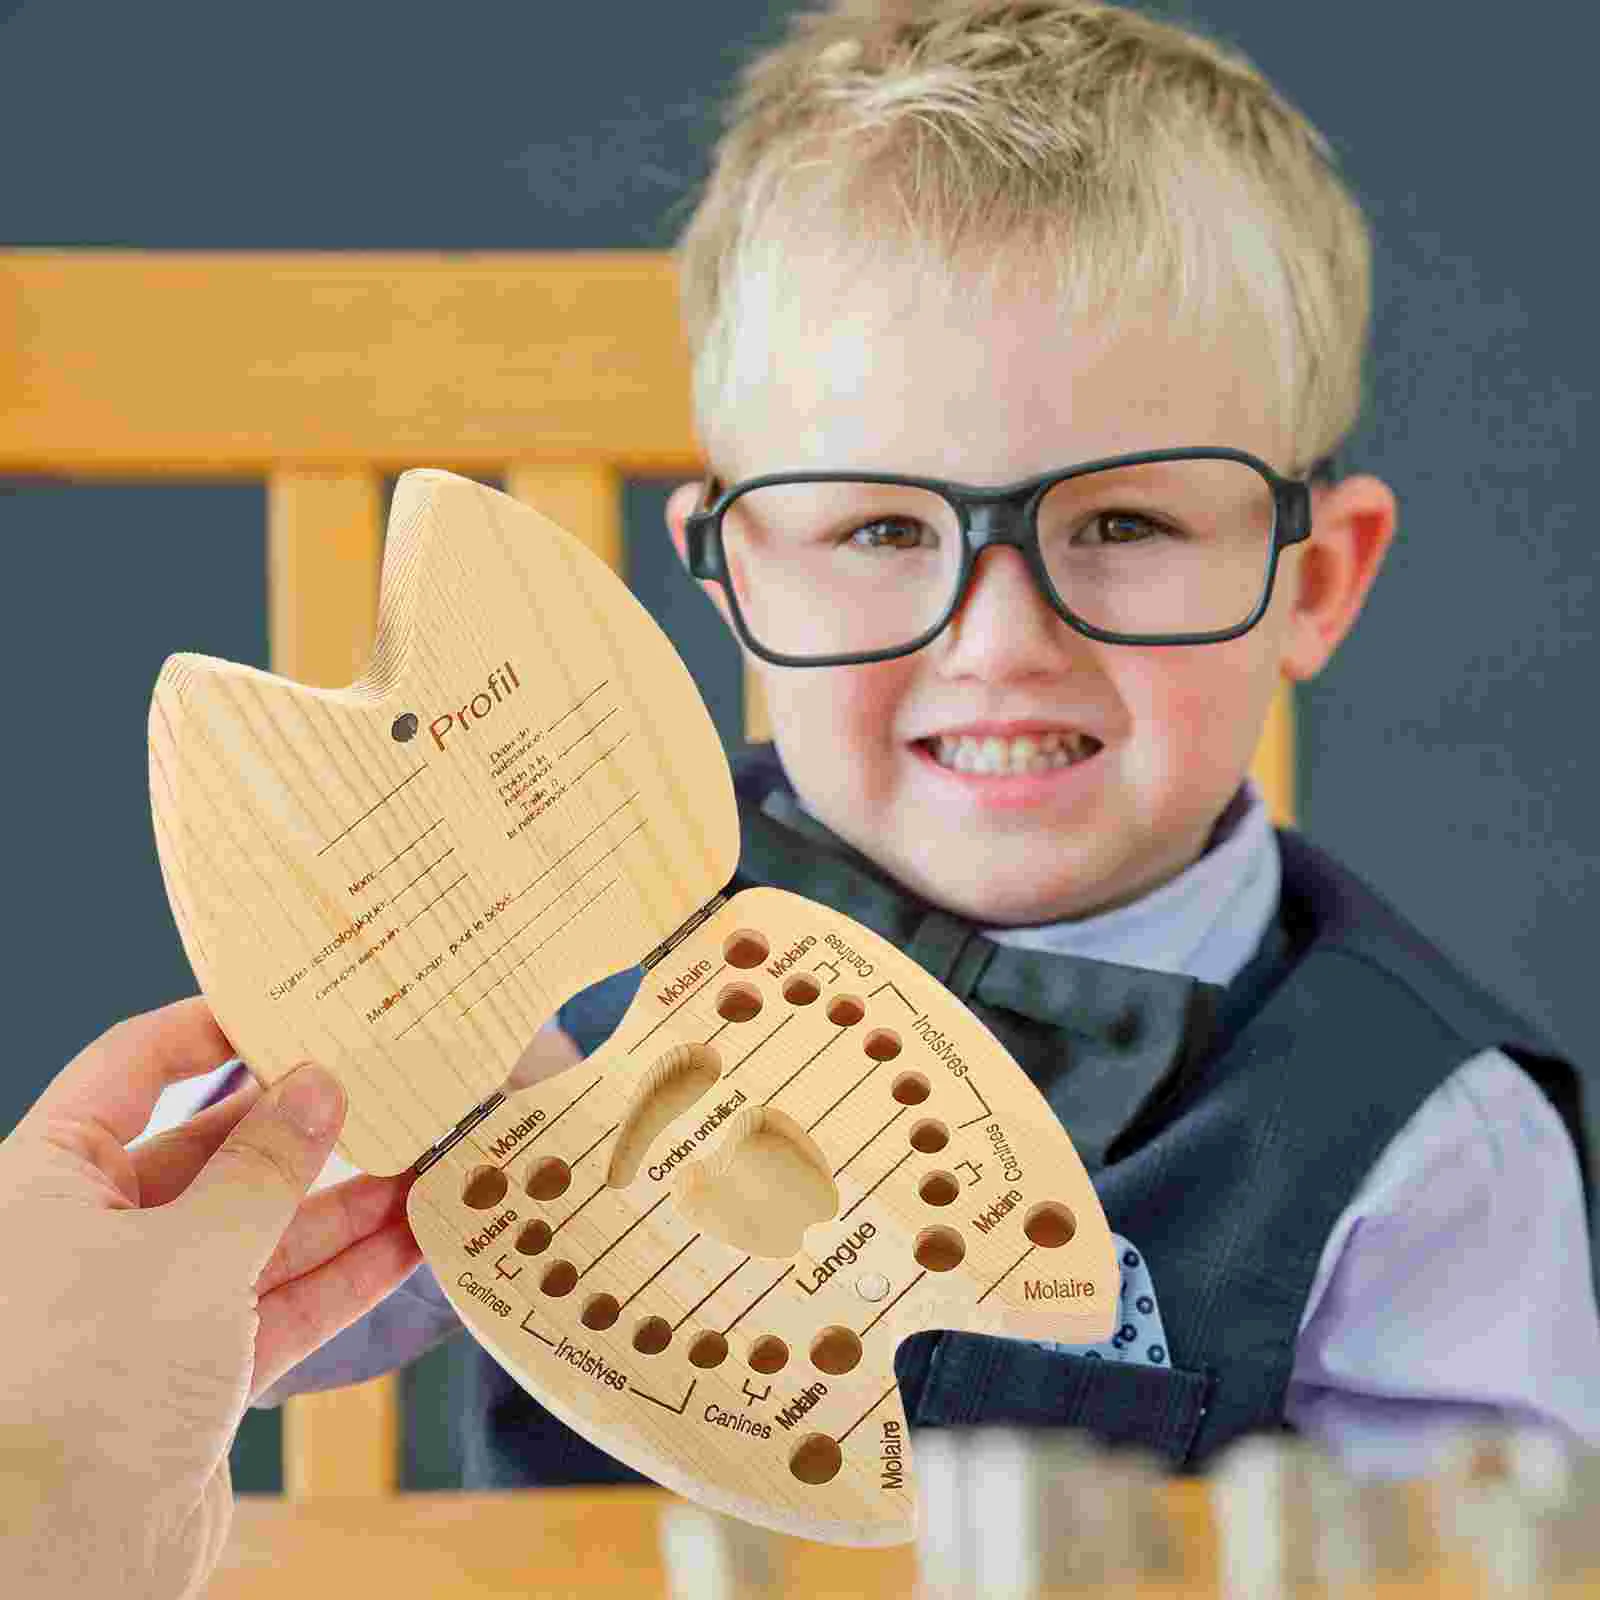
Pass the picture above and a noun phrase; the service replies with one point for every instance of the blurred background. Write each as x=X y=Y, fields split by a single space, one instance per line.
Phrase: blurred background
x=1446 y=755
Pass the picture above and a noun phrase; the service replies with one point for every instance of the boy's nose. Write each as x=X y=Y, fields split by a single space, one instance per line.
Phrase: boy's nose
x=1003 y=619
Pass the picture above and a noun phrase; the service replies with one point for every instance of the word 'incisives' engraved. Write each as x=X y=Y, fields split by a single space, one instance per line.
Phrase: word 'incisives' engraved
x=681 y=1152
x=806 y=1400
x=515 y=1134
x=985 y=1220
x=587 y=1362
x=1010 y=1167
x=849 y=957
x=480 y=1241
x=482 y=1292
x=843 y=1254
x=942 y=1047
x=892 y=1451
x=490 y=697
x=736 y=1423
x=683 y=983
x=777 y=968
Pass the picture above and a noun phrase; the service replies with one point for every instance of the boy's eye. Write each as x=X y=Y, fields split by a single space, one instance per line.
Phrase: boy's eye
x=878 y=540
x=1120 y=527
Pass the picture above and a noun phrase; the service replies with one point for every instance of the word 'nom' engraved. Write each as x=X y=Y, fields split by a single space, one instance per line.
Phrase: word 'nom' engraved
x=1056 y=1289
x=1010 y=1167
x=684 y=982
x=469 y=713
x=985 y=1220
x=806 y=1400
x=482 y=1291
x=849 y=957
x=843 y=1254
x=790 y=956
x=892 y=1449
x=584 y=1360
x=516 y=1133
x=944 y=1050
x=480 y=1241
x=736 y=1423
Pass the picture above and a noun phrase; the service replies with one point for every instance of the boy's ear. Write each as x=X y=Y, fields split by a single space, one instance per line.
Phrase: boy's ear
x=1352 y=526
x=680 y=503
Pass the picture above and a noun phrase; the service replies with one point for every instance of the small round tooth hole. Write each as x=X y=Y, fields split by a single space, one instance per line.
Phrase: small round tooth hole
x=930 y=1137
x=1049 y=1225
x=745 y=948
x=801 y=989
x=939 y=1249
x=601 y=1311
x=485 y=1187
x=768 y=1354
x=816 y=1459
x=910 y=1089
x=560 y=1278
x=835 y=1350
x=738 y=1002
x=549 y=1179
x=534 y=1238
x=938 y=1188
x=845 y=1010
x=882 y=1044
x=708 y=1350
x=652 y=1336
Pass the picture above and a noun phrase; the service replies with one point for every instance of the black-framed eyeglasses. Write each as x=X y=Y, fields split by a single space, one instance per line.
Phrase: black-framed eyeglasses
x=1159 y=547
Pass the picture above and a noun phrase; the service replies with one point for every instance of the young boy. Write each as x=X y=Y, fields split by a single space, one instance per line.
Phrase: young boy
x=986 y=243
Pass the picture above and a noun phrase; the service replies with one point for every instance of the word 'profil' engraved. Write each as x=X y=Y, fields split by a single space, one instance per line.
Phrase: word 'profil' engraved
x=469 y=713
x=843 y=1254
x=480 y=1241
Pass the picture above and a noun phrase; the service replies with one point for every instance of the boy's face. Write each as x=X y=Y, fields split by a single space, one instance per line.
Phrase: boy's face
x=988 y=396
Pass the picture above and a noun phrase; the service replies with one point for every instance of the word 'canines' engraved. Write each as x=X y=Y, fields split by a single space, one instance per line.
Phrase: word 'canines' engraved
x=1010 y=1167
x=487 y=698
x=736 y=1423
x=849 y=957
x=482 y=1292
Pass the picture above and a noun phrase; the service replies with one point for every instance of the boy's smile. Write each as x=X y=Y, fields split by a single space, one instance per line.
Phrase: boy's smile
x=1013 y=770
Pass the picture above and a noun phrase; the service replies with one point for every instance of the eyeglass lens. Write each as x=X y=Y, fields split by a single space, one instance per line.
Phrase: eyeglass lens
x=1157 y=548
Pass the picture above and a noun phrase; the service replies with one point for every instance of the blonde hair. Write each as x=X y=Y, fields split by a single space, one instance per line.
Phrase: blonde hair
x=972 y=138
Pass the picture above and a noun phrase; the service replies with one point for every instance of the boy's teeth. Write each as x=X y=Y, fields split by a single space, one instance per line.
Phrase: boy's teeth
x=1036 y=752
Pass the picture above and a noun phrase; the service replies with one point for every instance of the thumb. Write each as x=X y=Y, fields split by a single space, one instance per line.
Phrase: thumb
x=254 y=1183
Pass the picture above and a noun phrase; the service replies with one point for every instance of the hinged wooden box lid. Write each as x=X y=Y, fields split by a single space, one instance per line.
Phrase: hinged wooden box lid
x=404 y=879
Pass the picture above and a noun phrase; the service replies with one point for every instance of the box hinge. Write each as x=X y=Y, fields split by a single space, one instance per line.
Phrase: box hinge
x=667 y=945
x=459 y=1132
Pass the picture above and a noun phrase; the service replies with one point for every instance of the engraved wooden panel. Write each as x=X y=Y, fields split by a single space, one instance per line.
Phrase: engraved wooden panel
x=701 y=1246
x=405 y=878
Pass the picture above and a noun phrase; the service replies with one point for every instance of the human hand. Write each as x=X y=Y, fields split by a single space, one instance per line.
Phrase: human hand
x=148 y=1295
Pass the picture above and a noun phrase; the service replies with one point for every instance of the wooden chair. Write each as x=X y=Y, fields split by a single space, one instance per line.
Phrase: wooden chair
x=319 y=373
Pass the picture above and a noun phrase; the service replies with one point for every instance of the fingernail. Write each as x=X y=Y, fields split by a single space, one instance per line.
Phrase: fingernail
x=312 y=1099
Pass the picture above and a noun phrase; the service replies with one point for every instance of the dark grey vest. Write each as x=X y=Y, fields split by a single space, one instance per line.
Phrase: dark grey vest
x=1230 y=1181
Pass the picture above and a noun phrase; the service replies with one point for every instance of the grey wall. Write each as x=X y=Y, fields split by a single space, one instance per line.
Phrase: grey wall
x=1446 y=754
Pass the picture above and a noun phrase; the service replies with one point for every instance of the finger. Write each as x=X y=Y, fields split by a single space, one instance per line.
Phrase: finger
x=114 y=1082
x=166 y=1164
x=243 y=1199
x=304 y=1313
x=331 y=1221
